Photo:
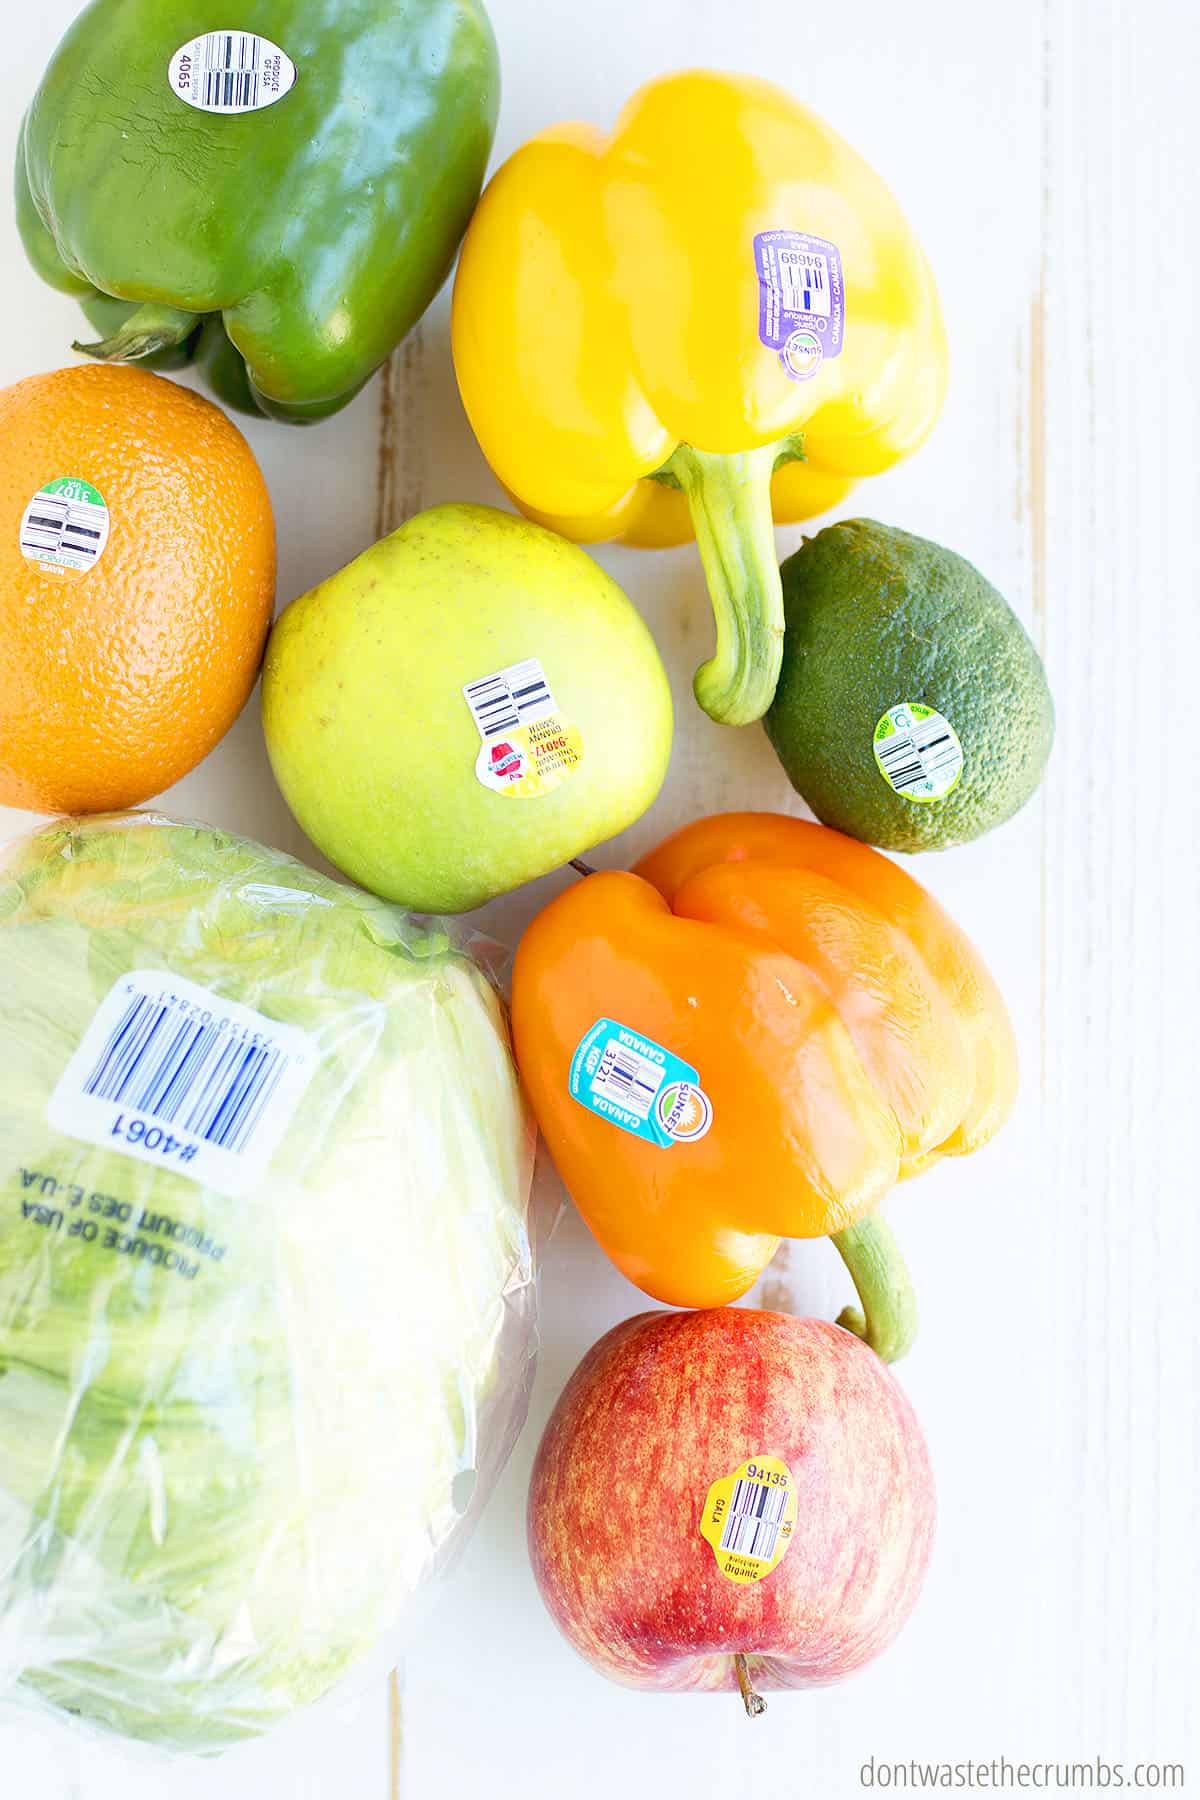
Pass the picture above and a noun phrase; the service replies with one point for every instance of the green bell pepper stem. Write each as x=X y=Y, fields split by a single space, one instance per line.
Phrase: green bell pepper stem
x=729 y=498
x=146 y=331
x=888 y=1320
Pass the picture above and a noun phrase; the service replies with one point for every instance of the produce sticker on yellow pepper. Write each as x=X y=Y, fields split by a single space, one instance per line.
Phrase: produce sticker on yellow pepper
x=749 y=1518
x=528 y=748
x=801 y=304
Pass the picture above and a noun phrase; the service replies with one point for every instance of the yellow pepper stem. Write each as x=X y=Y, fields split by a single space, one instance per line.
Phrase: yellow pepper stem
x=729 y=498
x=888 y=1320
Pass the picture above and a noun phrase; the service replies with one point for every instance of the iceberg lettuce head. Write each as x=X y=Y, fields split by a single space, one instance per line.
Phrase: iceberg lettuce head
x=265 y=1285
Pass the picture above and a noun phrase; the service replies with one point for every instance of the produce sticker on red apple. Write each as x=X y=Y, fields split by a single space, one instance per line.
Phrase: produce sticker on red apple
x=528 y=748
x=749 y=1517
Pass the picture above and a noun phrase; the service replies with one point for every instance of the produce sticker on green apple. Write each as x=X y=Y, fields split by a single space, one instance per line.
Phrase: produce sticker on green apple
x=528 y=748
x=749 y=1518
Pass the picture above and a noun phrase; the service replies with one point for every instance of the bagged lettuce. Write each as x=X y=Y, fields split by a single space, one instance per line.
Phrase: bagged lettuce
x=265 y=1283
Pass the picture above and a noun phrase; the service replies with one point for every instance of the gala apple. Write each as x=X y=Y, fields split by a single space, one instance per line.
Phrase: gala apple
x=730 y=1499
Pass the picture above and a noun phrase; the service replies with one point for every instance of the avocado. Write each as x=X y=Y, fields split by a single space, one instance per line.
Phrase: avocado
x=912 y=710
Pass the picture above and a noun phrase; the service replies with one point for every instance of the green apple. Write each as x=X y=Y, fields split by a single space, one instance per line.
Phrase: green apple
x=467 y=705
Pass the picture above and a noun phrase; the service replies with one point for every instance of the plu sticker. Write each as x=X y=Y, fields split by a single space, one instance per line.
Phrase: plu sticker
x=65 y=527
x=749 y=1518
x=528 y=748
x=918 y=752
x=231 y=72
x=640 y=1087
x=801 y=299
x=178 y=1077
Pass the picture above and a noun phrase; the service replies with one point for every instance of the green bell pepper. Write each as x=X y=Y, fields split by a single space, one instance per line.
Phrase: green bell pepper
x=285 y=248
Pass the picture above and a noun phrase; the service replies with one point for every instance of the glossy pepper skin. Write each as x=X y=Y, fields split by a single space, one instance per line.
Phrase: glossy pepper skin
x=608 y=349
x=317 y=229
x=843 y=1028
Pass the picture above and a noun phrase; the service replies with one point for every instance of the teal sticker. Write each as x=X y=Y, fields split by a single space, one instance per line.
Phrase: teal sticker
x=637 y=1085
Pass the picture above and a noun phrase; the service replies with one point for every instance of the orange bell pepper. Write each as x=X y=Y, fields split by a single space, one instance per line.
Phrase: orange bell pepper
x=753 y=1036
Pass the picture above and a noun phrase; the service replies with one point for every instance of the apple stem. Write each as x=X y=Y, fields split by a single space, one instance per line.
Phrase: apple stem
x=580 y=867
x=752 y=1700
x=888 y=1319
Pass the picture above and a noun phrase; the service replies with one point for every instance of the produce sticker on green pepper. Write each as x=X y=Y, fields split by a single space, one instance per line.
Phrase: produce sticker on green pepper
x=231 y=72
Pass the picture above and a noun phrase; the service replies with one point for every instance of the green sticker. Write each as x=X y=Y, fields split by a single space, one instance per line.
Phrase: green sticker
x=65 y=527
x=918 y=752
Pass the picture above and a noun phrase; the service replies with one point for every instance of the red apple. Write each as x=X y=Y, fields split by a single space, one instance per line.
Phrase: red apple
x=826 y=1539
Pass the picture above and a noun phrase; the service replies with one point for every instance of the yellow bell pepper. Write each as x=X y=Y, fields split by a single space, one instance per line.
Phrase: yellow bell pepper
x=713 y=317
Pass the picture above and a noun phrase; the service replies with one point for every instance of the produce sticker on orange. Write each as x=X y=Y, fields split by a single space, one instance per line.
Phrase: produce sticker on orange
x=528 y=748
x=64 y=528
x=749 y=1518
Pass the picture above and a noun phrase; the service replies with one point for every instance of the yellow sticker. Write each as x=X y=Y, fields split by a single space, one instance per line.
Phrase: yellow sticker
x=749 y=1518
x=528 y=748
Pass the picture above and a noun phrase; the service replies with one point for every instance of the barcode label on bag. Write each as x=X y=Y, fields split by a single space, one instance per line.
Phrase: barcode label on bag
x=528 y=748
x=65 y=526
x=231 y=72
x=749 y=1518
x=177 y=1077
x=918 y=752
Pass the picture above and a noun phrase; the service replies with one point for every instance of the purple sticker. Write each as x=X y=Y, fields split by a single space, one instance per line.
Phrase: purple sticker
x=801 y=301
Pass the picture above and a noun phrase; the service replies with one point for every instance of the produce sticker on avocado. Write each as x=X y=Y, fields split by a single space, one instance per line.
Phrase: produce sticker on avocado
x=918 y=752
x=528 y=748
x=637 y=1085
x=749 y=1518
x=184 y=1080
x=231 y=72
x=801 y=299
x=65 y=527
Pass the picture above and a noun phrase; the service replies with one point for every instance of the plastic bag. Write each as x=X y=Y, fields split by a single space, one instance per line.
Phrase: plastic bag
x=266 y=1296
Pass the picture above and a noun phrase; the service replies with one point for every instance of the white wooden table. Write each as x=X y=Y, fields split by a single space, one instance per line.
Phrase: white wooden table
x=1046 y=153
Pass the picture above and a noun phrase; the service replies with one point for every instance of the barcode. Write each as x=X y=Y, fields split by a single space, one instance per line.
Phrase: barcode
x=53 y=525
x=196 y=1073
x=174 y=1075
x=756 y=1513
x=518 y=695
x=229 y=79
x=805 y=284
x=918 y=756
x=628 y=1078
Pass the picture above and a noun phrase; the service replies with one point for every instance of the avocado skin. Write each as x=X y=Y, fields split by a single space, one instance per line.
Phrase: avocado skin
x=875 y=616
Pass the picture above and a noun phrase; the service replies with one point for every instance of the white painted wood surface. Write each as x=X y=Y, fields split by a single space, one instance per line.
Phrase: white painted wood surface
x=1046 y=153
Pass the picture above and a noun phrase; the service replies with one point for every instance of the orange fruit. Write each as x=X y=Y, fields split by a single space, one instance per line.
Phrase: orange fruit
x=137 y=576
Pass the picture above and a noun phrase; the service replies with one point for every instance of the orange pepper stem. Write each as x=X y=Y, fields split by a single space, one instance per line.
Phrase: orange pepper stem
x=888 y=1320
x=729 y=498
x=150 y=329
